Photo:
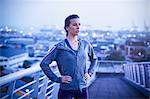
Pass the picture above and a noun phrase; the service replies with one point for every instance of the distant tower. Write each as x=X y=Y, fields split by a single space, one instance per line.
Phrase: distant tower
x=146 y=28
x=134 y=27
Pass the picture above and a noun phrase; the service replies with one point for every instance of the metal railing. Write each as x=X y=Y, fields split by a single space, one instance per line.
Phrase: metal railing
x=136 y=74
x=32 y=83
x=105 y=66
x=139 y=74
x=29 y=83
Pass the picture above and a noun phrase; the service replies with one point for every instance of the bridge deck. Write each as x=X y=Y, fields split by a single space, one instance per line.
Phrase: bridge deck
x=109 y=86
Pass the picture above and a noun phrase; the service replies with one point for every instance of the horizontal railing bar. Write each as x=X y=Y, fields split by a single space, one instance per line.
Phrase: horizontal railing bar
x=49 y=92
x=26 y=94
x=49 y=97
x=26 y=85
x=19 y=74
x=109 y=61
x=5 y=97
x=133 y=63
x=41 y=85
x=39 y=93
x=41 y=78
x=50 y=86
x=49 y=81
x=148 y=89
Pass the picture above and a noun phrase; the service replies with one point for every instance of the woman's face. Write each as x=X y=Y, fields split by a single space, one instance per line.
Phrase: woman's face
x=74 y=26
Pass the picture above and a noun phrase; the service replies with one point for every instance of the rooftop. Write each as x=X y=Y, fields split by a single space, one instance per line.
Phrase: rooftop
x=9 y=52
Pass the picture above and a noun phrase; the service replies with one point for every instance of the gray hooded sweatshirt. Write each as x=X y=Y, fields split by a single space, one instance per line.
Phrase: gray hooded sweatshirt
x=70 y=63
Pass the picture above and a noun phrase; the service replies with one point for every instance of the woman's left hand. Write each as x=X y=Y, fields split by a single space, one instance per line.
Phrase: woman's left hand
x=87 y=76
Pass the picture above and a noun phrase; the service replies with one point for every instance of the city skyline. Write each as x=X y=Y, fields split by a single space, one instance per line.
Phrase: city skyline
x=95 y=13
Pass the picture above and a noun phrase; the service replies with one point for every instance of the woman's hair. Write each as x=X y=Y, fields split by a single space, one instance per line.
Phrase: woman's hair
x=67 y=21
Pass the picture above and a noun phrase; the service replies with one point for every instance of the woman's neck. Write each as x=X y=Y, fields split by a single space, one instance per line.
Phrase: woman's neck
x=72 y=38
x=73 y=41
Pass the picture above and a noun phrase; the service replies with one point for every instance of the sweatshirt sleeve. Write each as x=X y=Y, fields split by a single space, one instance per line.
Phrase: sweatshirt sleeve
x=93 y=59
x=51 y=56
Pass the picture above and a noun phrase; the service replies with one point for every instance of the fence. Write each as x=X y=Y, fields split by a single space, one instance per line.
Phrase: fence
x=110 y=66
x=29 y=83
x=139 y=74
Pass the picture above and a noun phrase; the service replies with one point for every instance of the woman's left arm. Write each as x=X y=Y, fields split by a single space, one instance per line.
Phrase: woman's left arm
x=93 y=60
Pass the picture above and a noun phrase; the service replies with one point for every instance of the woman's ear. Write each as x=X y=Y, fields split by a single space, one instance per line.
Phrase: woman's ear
x=67 y=28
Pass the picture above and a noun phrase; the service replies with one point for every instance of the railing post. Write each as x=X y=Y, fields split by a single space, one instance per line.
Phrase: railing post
x=147 y=76
x=142 y=75
x=134 y=73
x=11 y=88
x=98 y=66
x=127 y=72
x=148 y=70
x=131 y=72
x=43 y=88
x=35 y=86
x=138 y=74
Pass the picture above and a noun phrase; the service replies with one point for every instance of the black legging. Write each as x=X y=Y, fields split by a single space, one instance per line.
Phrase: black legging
x=76 y=94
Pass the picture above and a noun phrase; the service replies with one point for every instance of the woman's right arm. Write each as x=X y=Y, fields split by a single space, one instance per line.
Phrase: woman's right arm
x=51 y=56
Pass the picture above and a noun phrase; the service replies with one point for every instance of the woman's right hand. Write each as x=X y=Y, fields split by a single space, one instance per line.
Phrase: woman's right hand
x=66 y=79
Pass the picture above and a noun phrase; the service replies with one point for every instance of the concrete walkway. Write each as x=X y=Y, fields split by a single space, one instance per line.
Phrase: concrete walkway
x=111 y=86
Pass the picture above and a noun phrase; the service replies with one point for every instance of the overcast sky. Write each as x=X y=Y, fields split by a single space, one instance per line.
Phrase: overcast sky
x=96 y=13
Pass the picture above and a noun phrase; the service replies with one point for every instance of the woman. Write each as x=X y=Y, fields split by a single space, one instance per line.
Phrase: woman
x=71 y=56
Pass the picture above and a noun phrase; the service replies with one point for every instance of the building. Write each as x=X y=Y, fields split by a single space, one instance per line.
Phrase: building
x=12 y=57
x=137 y=49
